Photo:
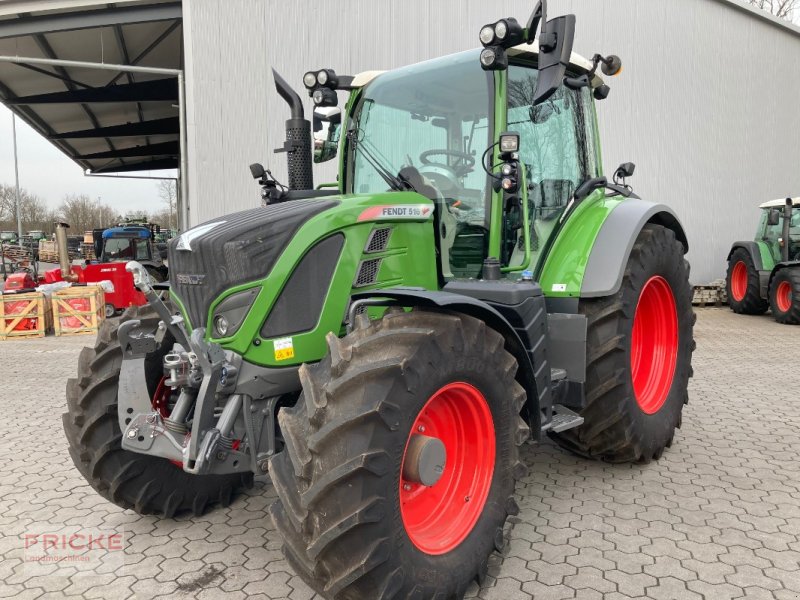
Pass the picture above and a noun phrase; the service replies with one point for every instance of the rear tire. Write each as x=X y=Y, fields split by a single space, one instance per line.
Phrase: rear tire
x=639 y=356
x=344 y=509
x=145 y=484
x=743 y=285
x=784 y=296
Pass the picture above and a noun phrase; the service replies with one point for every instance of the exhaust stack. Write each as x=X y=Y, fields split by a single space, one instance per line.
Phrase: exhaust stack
x=787 y=224
x=298 y=139
x=63 y=252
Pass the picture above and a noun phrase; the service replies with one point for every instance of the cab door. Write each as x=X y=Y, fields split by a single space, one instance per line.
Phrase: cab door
x=558 y=146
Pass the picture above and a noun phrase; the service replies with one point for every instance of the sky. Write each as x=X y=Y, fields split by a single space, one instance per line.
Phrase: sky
x=49 y=174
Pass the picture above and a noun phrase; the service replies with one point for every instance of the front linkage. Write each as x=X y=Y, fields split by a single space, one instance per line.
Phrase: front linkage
x=236 y=437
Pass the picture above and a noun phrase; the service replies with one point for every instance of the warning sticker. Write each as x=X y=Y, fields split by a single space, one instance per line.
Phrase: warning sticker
x=559 y=287
x=284 y=348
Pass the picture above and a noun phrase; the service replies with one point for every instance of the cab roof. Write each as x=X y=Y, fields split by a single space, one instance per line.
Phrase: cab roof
x=126 y=232
x=780 y=203
x=576 y=61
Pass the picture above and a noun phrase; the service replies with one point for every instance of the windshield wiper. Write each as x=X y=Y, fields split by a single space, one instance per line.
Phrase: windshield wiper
x=394 y=182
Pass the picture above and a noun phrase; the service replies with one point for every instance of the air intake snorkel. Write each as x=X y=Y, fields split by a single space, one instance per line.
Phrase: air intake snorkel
x=298 y=139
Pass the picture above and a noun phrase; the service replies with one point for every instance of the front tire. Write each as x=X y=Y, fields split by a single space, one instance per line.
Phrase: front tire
x=145 y=484
x=743 y=285
x=784 y=296
x=639 y=353
x=355 y=522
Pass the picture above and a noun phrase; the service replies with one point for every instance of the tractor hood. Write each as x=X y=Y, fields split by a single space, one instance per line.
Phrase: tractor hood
x=231 y=250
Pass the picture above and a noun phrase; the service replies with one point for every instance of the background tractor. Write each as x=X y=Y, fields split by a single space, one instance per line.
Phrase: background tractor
x=114 y=247
x=382 y=349
x=765 y=273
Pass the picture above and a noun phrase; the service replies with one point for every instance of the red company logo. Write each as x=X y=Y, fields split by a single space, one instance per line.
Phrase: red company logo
x=83 y=550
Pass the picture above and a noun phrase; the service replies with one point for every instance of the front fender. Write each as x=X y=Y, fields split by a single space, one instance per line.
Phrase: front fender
x=421 y=298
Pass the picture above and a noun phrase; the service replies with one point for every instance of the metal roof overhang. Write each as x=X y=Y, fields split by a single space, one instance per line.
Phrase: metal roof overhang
x=105 y=121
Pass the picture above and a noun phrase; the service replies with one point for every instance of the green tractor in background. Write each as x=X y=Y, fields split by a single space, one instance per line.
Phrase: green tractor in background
x=765 y=274
x=382 y=350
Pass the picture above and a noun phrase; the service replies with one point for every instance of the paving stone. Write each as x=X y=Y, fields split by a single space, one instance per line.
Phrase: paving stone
x=717 y=517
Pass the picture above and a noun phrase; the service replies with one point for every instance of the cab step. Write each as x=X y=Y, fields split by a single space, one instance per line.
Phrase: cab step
x=563 y=419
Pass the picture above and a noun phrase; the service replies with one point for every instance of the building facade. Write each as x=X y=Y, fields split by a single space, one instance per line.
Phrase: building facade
x=706 y=106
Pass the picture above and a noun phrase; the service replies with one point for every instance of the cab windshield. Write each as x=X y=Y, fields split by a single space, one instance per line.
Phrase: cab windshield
x=433 y=116
x=115 y=249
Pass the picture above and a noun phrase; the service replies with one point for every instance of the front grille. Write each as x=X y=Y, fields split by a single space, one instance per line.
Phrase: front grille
x=378 y=240
x=232 y=250
x=368 y=272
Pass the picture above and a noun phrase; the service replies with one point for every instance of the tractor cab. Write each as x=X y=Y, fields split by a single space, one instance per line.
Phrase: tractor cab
x=122 y=244
x=8 y=237
x=770 y=229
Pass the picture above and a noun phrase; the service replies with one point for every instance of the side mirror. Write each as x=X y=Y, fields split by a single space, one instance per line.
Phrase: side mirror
x=257 y=170
x=625 y=170
x=326 y=138
x=554 y=55
x=774 y=217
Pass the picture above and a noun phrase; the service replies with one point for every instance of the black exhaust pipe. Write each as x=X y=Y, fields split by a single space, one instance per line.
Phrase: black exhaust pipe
x=787 y=225
x=298 y=139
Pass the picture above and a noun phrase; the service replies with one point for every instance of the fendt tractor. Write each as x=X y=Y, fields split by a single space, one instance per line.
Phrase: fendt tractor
x=765 y=273
x=383 y=349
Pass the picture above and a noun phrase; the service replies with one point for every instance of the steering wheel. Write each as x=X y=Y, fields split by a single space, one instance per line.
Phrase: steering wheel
x=462 y=167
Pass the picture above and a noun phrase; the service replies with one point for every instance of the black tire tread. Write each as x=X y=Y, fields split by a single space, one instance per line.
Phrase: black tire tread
x=339 y=560
x=792 y=276
x=609 y=431
x=752 y=303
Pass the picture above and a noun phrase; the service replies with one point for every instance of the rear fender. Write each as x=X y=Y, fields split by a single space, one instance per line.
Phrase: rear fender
x=612 y=247
x=754 y=251
x=420 y=298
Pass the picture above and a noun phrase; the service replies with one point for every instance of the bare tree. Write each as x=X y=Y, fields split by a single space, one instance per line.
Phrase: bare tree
x=82 y=213
x=167 y=190
x=785 y=9
x=34 y=213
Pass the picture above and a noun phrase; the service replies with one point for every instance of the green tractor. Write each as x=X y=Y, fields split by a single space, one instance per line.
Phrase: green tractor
x=765 y=274
x=381 y=350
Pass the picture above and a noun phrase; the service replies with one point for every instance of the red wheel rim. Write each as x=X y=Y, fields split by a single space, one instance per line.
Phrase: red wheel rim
x=160 y=402
x=438 y=518
x=783 y=296
x=739 y=281
x=654 y=345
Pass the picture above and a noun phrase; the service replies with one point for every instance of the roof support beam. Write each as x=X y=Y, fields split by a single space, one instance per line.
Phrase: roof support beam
x=162 y=149
x=152 y=46
x=155 y=90
x=88 y=19
x=148 y=165
x=168 y=126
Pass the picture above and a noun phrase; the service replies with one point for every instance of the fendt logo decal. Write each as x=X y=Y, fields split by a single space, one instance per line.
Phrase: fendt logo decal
x=408 y=212
x=190 y=279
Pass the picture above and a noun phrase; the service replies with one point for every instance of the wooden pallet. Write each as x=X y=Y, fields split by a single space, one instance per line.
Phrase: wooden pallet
x=709 y=295
x=78 y=310
x=24 y=316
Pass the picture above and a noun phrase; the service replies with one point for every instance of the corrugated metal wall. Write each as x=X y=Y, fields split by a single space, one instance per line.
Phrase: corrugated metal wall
x=707 y=105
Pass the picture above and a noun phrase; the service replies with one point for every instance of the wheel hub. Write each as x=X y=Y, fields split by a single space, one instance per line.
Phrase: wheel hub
x=425 y=460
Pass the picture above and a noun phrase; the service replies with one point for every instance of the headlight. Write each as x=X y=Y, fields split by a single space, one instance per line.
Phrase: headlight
x=231 y=312
x=322 y=77
x=501 y=30
x=488 y=57
x=221 y=326
x=310 y=80
x=486 y=35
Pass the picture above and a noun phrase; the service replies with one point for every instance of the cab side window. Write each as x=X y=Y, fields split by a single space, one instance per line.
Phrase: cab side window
x=556 y=140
